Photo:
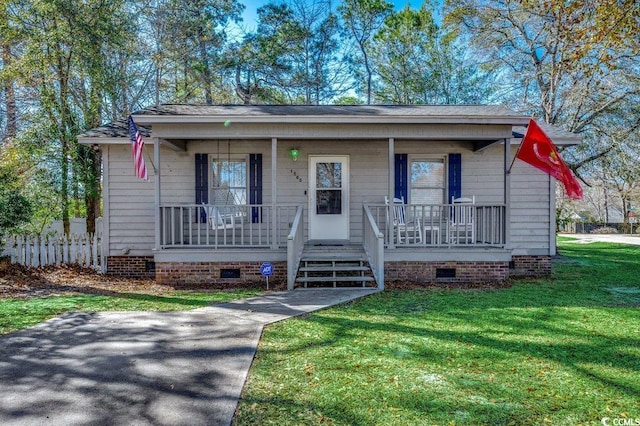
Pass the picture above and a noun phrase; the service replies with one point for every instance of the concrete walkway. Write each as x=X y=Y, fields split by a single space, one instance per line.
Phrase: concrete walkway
x=143 y=368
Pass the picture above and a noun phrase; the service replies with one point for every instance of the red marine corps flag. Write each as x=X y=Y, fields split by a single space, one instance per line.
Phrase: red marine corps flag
x=137 y=145
x=539 y=151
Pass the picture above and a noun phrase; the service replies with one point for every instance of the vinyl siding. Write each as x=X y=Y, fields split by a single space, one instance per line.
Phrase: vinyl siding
x=131 y=201
x=482 y=176
x=130 y=217
x=530 y=210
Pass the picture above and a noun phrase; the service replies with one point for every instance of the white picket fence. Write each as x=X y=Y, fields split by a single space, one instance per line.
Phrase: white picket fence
x=79 y=249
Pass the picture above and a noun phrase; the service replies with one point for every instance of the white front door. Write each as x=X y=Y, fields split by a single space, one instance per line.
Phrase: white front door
x=329 y=197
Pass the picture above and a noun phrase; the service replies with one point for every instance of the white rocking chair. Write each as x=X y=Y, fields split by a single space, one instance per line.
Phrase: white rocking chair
x=462 y=224
x=405 y=229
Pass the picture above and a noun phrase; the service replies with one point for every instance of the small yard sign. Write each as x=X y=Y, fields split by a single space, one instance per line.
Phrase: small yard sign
x=266 y=269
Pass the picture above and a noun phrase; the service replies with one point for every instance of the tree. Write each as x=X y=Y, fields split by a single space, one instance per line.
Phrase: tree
x=15 y=207
x=620 y=173
x=416 y=61
x=322 y=70
x=62 y=63
x=292 y=57
x=192 y=40
x=574 y=64
x=7 y=85
x=362 y=20
x=278 y=43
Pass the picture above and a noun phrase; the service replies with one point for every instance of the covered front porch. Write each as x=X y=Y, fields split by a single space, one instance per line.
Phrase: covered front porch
x=277 y=233
x=251 y=184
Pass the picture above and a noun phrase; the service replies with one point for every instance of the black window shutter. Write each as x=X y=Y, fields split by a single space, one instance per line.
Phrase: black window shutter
x=202 y=184
x=402 y=175
x=255 y=186
x=455 y=176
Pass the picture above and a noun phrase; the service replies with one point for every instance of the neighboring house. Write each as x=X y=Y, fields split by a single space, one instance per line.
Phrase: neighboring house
x=231 y=187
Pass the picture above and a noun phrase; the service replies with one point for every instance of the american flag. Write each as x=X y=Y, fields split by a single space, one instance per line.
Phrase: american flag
x=137 y=145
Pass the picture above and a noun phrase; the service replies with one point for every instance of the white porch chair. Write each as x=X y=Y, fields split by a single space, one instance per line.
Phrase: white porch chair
x=462 y=227
x=404 y=228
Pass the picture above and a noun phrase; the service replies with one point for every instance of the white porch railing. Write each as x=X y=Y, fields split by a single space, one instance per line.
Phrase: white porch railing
x=79 y=249
x=439 y=225
x=295 y=247
x=373 y=243
x=253 y=226
x=197 y=225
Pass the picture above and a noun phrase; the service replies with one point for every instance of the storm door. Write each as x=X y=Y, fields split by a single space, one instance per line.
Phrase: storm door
x=329 y=197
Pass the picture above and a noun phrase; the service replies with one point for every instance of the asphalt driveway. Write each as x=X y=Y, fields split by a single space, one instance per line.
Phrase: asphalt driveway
x=142 y=368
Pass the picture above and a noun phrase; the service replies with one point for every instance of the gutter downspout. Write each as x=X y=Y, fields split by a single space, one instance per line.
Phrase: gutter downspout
x=156 y=160
x=507 y=194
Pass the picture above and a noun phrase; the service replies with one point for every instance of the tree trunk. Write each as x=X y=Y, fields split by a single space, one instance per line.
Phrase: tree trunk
x=92 y=156
x=206 y=72
x=64 y=185
x=92 y=197
x=9 y=95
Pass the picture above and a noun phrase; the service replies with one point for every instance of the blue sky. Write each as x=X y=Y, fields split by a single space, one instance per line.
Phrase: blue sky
x=251 y=7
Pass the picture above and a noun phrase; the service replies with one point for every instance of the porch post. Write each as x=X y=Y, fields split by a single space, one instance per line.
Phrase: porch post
x=156 y=170
x=274 y=192
x=507 y=194
x=391 y=189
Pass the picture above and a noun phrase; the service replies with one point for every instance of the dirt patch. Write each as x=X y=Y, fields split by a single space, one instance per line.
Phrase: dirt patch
x=16 y=281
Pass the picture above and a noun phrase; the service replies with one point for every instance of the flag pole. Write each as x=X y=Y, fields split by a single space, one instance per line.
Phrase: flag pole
x=519 y=146
x=514 y=157
x=155 y=171
x=149 y=158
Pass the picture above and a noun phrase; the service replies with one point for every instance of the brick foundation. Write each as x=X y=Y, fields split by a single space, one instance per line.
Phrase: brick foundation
x=131 y=266
x=200 y=274
x=531 y=266
x=465 y=272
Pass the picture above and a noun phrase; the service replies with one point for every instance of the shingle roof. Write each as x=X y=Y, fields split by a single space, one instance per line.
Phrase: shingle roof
x=373 y=113
x=557 y=134
x=116 y=129
x=323 y=110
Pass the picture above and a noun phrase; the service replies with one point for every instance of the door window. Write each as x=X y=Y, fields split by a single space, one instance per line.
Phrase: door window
x=329 y=188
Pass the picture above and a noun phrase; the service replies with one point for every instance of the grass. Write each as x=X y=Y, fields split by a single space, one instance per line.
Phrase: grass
x=563 y=351
x=16 y=314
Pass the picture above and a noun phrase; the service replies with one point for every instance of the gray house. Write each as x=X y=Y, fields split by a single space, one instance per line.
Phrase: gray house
x=341 y=195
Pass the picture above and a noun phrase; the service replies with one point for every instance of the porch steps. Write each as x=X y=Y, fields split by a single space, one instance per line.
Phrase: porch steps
x=334 y=268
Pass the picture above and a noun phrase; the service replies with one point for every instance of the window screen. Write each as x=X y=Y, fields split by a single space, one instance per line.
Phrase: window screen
x=427 y=183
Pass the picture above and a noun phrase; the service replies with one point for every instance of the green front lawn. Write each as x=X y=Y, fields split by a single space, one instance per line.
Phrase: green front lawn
x=561 y=351
x=16 y=314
